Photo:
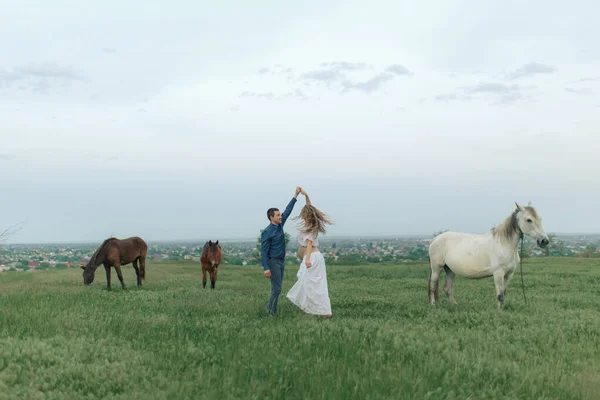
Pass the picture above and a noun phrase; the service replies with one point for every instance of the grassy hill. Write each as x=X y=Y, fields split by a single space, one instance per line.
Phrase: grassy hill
x=172 y=339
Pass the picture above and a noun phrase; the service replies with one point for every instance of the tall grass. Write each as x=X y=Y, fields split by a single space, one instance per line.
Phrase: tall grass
x=172 y=339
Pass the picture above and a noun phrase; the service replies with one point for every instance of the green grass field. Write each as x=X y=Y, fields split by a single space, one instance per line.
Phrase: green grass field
x=174 y=340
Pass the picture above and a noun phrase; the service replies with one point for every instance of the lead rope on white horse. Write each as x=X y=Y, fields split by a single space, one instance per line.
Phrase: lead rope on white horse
x=522 y=282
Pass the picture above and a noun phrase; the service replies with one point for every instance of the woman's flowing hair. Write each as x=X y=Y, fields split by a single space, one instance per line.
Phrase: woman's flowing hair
x=313 y=220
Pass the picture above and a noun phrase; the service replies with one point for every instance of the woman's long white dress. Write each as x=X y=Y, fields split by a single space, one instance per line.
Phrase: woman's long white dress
x=310 y=291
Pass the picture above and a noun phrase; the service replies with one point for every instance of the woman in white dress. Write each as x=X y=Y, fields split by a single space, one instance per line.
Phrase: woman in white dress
x=310 y=291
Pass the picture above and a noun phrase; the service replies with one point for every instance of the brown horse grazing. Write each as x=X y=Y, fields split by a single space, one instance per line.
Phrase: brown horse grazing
x=117 y=252
x=211 y=258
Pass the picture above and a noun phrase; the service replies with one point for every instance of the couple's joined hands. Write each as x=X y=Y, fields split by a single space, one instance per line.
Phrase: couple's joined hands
x=299 y=190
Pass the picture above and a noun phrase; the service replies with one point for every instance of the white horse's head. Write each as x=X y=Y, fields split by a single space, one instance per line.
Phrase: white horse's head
x=530 y=223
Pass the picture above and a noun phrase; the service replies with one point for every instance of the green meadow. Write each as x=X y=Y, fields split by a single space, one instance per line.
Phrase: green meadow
x=174 y=340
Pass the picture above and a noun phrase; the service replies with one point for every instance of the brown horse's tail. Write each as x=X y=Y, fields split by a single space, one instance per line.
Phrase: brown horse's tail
x=142 y=258
x=142 y=262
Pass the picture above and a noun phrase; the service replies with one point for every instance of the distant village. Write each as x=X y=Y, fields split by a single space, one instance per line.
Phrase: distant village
x=347 y=251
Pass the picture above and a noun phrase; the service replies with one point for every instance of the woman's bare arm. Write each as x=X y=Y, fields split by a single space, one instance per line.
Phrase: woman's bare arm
x=308 y=203
x=307 y=254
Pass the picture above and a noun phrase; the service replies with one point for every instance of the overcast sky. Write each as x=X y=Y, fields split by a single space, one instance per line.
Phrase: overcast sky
x=187 y=120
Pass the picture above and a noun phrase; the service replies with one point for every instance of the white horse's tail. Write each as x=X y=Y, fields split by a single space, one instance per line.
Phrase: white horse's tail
x=429 y=282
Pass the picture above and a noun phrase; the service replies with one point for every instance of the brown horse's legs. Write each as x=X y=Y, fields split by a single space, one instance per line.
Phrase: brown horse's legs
x=107 y=268
x=137 y=272
x=120 y=275
x=203 y=277
x=213 y=277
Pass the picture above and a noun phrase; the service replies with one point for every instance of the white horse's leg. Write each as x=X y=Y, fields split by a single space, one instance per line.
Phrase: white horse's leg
x=507 y=278
x=449 y=285
x=434 y=275
x=499 y=281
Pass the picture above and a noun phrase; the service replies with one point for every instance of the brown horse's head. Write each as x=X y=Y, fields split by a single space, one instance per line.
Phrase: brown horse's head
x=213 y=253
x=89 y=271
x=88 y=274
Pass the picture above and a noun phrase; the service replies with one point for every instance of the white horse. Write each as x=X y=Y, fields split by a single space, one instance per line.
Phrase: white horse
x=475 y=256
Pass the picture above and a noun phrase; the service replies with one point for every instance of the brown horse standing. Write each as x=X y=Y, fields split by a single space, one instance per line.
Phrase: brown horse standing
x=211 y=258
x=117 y=252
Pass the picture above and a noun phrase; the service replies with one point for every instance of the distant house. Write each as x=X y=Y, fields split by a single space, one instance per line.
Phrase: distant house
x=160 y=257
x=33 y=264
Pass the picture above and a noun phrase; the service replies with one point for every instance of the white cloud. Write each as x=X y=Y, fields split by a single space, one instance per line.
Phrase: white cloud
x=531 y=69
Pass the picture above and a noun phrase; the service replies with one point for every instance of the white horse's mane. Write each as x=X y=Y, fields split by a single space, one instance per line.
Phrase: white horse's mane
x=510 y=226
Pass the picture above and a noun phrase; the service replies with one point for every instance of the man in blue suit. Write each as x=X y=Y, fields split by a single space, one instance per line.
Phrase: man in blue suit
x=273 y=250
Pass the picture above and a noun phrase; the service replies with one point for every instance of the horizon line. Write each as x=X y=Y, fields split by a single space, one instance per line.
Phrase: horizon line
x=248 y=239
